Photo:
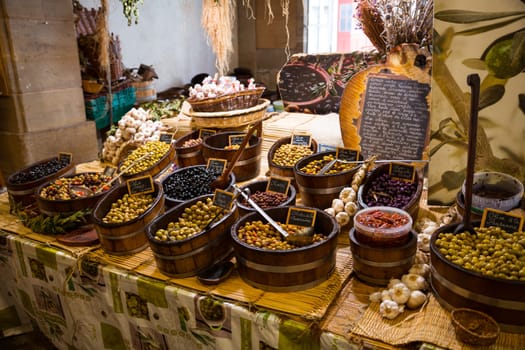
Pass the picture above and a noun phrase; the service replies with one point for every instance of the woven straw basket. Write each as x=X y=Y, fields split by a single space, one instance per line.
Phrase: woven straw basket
x=228 y=102
x=229 y=119
x=474 y=327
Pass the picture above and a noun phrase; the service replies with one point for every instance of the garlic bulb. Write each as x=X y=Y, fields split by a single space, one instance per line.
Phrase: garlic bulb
x=338 y=205
x=385 y=295
x=351 y=208
x=390 y=309
x=375 y=297
x=399 y=293
x=393 y=282
x=342 y=218
x=347 y=194
x=421 y=257
x=420 y=269
x=416 y=299
x=414 y=281
x=330 y=211
x=423 y=242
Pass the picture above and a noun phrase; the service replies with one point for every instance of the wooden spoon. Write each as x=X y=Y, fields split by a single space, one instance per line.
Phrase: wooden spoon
x=473 y=81
x=222 y=180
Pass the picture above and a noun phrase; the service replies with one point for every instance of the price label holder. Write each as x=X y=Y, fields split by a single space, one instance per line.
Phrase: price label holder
x=506 y=221
x=326 y=148
x=140 y=185
x=109 y=171
x=206 y=132
x=301 y=217
x=347 y=154
x=402 y=171
x=216 y=165
x=277 y=184
x=65 y=157
x=301 y=140
x=234 y=140
x=166 y=138
x=223 y=199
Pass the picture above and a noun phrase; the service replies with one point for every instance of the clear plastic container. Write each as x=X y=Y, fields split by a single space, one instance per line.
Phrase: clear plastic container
x=382 y=226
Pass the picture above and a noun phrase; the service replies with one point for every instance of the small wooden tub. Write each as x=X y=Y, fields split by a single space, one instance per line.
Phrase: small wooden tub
x=23 y=193
x=253 y=187
x=128 y=237
x=156 y=168
x=187 y=156
x=319 y=190
x=412 y=207
x=195 y=254
x=249 y=163
x=377 y=265
x=287 y=270
x=457 y=287
x=283 y=170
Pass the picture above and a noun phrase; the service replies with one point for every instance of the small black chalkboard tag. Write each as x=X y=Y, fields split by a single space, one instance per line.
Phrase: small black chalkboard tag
x=301 y=140
x=235 y=139
x=216 y=165
x=166 y=138
x=301 y=217
x=109 y=171
x=277 y=184
x=65 y=157
x=205 y=133
x=347 y=154
x=321 y=147
x=140 y=185
x=506 y=221
x=223 y=199
x=402 y=171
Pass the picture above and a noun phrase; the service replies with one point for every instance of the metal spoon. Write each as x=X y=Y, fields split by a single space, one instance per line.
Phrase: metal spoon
x=301 y=238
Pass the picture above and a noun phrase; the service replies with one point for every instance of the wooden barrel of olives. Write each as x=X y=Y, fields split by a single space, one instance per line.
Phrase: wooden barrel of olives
x=52 y=205
x=287 y=270
x=194 y=254
x=22 y=185
x=249 y=163
x=260 y=186
x=189 y=155
x=411 y=206
x=457 y=287
x=276 y=167
x=156 y=168
x=319 y=190
x=377 y=265
x=128 y=237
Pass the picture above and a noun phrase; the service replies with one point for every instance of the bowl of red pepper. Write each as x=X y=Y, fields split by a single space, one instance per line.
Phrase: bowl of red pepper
x=382 y=226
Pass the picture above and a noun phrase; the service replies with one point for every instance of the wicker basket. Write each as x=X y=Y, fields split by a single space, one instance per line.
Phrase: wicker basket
x=474 y=327
x=229 y=119
x=228 y=102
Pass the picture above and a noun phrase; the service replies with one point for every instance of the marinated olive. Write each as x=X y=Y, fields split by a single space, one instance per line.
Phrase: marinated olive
x=155 y=149
x=288 y=154
x=128 y=208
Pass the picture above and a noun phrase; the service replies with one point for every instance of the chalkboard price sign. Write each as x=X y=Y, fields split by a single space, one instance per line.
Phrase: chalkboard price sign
x=301 y=217
x=140 y=185
x=506 y=221
x=205 y=133
x=235 y=139
x=109 y=171
x=301 y=140
x=216 y=165
x=347 y=154
x=279 y=185
x=166 y=138
x=223 y=199
x=402 y=171
x=64 y=157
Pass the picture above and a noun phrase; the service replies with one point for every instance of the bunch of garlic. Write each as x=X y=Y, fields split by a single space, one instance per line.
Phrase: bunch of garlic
x=408 y=291
x=136 y=127
x=213 y=87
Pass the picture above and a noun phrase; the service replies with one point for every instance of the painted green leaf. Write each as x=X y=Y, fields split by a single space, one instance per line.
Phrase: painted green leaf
x=475 y=63
x=452 y=179
x=491 y=95
x=483 y=29
x=464 y=16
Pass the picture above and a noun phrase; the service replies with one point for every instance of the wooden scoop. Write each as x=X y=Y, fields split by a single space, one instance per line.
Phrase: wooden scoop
x=473 y=81
x=222 y=180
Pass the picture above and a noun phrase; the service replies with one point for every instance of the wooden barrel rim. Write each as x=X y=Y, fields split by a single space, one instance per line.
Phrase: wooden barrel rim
x=279 y=143
x=156 y=168
x=12 y=187
x=261 y=186
x=193 y=252
x=189 y=154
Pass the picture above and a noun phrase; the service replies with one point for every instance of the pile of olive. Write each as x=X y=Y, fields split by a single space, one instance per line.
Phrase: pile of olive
x=192 y=221
x=38 y=171
x=155 y=149
x=188 y=183
x=389 y=192
x=60 y=188
x=267 y=199
x=317 y=164
x=491 y=252
x=128 y=208
x=211 y=309
x=264 y=236
x=288 y=154
x=192 y=142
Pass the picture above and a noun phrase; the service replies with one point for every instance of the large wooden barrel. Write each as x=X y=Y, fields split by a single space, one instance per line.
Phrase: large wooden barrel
x=23 y=193
x=144 y=91
x=412 y=207
x=187 y=156
x=284 y=170
x=260 y=185
x=128 y=237
x=319 y=190
x=287 y=270
x=457 y=287
x=156 y=169
x=249 y=163
x=192 y=255
x=377 y=265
